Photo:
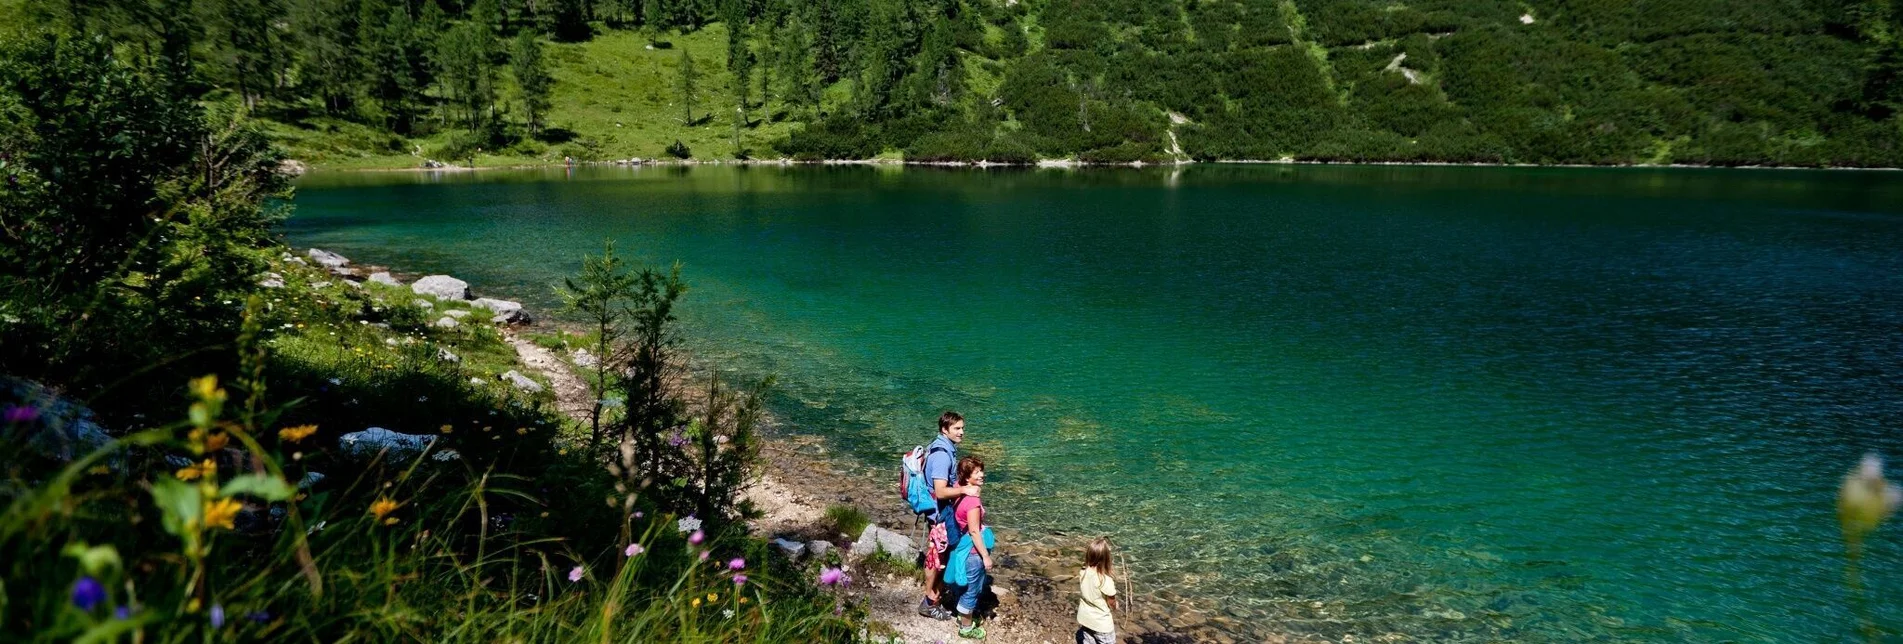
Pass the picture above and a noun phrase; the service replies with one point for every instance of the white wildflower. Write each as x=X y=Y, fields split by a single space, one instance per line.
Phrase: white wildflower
x=688 y=524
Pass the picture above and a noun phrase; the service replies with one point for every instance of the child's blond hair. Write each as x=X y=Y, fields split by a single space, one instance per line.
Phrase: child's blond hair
x=1097 y=555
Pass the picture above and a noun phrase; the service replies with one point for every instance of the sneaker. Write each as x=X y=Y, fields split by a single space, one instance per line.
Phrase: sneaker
x=926 y=608
x=972 y=632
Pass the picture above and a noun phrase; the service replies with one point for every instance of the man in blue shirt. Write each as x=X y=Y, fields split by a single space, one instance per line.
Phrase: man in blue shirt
x=941 y=471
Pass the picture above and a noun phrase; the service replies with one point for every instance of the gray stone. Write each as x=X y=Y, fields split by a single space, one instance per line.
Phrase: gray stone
x=272 y=280
x=423 y=303
x=522 y=382
x=792 y=549
x=444 y=323
x=819 y=547
x=384 y=278
x=584 y=359
x=506 y=312
x=477 y=381
x=56 y=428
x=876 y=539
x=368 y=442
x=446 y=356
x=442 y=286
x=328 y=259
x=456 y=313
x=319 y=284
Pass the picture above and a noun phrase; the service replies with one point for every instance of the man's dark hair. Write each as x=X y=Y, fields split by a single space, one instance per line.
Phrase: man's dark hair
x=946 y=419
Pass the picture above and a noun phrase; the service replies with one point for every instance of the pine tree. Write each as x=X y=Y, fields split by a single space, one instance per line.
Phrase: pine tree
x=687 y=86
x=326 y=32
x=466 y=78
x=531 y=75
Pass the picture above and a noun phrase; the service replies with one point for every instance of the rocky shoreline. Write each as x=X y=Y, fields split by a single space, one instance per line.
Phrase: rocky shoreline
x=1034 y=588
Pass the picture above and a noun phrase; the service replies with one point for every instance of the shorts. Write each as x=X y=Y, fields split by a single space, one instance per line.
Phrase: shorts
x=935 y=547
x=1087 y=636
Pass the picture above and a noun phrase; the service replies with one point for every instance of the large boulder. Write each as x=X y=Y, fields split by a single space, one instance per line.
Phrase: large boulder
x=506 y=312
x=442 y=286
x=328 y=259
x=384 y=278
x=51 y=426
x=367 y=443
x=877 y=539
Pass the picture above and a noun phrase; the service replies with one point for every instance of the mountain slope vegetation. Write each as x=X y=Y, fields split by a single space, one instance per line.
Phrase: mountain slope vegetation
x=381 y=82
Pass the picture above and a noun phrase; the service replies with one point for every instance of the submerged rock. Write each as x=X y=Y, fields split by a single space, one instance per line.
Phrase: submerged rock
x=368 y=442
x=506 y=312
x=442 y=286
x=877 y=539
x=522 y=382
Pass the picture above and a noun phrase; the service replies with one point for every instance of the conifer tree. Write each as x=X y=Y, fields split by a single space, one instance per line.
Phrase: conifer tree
x=687 y=85
x=531 y=75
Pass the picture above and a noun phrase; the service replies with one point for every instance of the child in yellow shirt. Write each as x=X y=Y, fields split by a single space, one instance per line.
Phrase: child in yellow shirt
x=1094 y=624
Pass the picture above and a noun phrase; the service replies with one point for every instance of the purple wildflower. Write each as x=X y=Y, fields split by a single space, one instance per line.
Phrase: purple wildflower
x=259 y=616
x=739 y=580
x=634 y=549
x=703 y=555
x=697 y=537
x=88 y=593
x=638 y=514
x=736 y=564
x=21 y=414
x=677 y=439
x=575 y=575
x=217 y=615
x=834 y=577
x=122 y=612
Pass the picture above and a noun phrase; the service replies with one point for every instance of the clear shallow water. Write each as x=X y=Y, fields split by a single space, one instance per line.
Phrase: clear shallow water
x=1451 y=403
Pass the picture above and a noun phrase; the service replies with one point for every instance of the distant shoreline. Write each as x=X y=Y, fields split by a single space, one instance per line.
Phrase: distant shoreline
x=1067 y=164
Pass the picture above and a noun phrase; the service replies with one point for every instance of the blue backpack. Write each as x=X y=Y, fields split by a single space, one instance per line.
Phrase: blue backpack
x=913 y=486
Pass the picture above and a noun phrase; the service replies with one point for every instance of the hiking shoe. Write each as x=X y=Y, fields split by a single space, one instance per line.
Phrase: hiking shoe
x=972 y=632
x=928 y=609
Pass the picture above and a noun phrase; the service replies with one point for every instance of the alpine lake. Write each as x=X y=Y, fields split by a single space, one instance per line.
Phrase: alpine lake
x=1393 y=403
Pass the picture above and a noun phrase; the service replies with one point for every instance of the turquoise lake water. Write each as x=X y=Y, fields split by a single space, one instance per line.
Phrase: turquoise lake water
x=1458 y=404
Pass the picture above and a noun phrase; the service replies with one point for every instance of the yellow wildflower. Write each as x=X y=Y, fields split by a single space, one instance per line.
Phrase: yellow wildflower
x=524 y=431
x=220 y=513
x=382 y=508
x=743 y=600
x=447 y=429
x=216 y=441
x=192 y=473
x=206 y=388
x=713 y=597
x=697 y=602
x=298 y=433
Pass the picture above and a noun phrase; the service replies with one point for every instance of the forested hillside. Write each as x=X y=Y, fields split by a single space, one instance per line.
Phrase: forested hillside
x=1730 y=82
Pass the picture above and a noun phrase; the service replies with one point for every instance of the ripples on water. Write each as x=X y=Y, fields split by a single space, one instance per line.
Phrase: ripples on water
x=1452 y=404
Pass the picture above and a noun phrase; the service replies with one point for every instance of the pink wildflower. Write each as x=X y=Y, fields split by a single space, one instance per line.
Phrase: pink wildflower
x=634 y=549
x=736 y=564
x=575 y=575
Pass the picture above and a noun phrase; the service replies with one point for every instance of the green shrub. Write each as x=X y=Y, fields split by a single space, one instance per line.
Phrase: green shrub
x=845 y=520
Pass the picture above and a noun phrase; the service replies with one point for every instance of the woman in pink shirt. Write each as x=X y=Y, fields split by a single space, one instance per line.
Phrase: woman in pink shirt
x=961 y=569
